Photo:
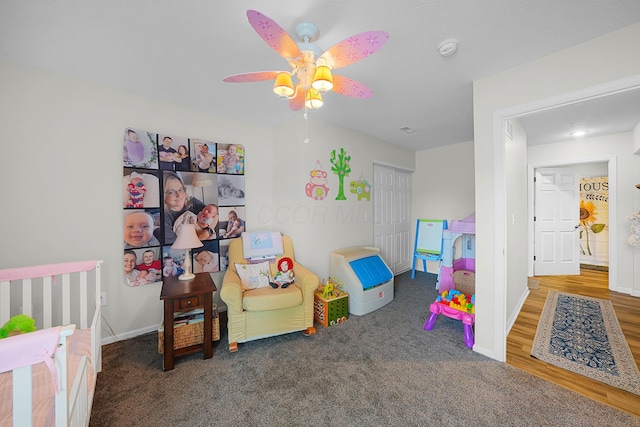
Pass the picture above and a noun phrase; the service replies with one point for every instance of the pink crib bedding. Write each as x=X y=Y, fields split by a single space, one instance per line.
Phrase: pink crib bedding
x=78 y=345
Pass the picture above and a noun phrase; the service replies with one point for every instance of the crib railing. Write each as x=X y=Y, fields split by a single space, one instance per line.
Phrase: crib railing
x=54 y=294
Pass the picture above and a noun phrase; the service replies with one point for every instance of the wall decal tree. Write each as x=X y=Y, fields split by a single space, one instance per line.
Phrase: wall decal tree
x=342 y=168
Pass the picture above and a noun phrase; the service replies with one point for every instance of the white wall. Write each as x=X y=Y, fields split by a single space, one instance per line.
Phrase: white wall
x=588 y=170
x=318 y=227
x=636 y=139
x=516 y=221
x=443 y=186
x=63 y=182
x=636 y=251
x=584 y=66
x=64 y=177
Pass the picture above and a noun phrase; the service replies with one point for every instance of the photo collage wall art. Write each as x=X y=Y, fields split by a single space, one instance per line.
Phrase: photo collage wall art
x=169 y=181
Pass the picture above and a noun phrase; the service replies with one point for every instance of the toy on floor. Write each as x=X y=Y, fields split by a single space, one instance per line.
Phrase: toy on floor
x=330 y=303
x=464 y=232
x=455 y=305
x=19 y=324
x=331 y=288
x=365 y=276
x=456 y=299
x=327 y=290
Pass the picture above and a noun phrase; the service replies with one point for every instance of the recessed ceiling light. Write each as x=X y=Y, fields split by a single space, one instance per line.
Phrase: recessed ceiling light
x=579 y=129
x=578 y=133
x=448 y=47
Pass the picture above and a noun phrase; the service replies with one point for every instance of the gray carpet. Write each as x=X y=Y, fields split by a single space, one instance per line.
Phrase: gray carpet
x=378 y=369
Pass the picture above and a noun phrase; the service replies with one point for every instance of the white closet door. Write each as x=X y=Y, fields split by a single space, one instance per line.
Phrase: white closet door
x=391 y=216
x=402 y=215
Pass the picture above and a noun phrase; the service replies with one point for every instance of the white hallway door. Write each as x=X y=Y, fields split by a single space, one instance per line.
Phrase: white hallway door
x=391 y=216
x=557 y=214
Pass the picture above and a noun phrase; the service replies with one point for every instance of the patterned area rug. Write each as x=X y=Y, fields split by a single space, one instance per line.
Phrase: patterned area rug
x=582 y=335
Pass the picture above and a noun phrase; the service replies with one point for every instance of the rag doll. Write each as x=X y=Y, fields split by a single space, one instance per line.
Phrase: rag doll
x=284 y=276
x=137 y=190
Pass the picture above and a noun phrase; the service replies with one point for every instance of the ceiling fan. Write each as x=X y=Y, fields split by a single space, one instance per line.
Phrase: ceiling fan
x=311 y=67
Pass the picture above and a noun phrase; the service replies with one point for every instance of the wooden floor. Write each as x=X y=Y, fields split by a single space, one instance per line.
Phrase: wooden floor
x=591 y=283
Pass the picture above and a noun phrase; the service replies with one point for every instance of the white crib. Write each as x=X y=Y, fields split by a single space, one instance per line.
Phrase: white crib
x=64 y=299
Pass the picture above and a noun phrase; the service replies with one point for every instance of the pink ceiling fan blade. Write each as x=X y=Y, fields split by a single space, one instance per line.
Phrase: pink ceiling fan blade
x=274 y=35
x=297 y=102
x=252 y=77
x=348 y=87
x=354 y=49
x=304 y=64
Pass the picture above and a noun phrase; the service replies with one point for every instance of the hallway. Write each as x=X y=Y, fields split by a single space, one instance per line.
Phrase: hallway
x=591 y=283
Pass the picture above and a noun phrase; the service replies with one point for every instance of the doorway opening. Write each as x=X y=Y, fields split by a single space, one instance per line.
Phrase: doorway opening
x=500 y=325
x=592 y=256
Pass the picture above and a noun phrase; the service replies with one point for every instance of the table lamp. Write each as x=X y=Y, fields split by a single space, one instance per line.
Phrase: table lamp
x=187 y=239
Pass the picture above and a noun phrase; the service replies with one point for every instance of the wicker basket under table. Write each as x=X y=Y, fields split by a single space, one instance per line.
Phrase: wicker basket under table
x=188 y=335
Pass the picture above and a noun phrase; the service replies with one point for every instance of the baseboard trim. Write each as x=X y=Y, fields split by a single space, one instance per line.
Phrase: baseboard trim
x=129 y=334
x=594 y=267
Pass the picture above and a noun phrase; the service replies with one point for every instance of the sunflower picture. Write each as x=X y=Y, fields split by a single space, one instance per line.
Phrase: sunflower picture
x=588 y=218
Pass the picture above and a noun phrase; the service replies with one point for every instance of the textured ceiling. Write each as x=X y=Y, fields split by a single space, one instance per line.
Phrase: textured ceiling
x=600 y=116
x=181 y=51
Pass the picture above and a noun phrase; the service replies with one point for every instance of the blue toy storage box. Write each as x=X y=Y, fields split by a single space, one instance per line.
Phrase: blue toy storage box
x=365 y=276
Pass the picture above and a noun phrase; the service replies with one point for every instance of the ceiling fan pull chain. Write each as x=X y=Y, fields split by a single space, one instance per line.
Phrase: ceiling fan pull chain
x=306 y=124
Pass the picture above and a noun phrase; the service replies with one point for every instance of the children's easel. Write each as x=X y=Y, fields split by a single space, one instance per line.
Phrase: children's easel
x=428 y=242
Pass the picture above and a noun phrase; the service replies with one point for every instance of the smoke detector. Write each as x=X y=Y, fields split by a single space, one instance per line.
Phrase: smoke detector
x=448 y=47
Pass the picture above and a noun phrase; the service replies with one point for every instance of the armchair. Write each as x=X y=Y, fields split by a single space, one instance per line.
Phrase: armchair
x=265 y=312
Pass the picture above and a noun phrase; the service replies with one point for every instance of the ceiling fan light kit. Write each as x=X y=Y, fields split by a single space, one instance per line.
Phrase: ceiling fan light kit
x=283 y=86
x=313 y=99
x=322 y=79
x=310 y=66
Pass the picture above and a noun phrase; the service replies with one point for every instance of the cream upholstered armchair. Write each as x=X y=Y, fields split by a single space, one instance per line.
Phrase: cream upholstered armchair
x=265 y=311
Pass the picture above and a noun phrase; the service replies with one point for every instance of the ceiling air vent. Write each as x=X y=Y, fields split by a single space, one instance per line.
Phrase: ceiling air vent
x=407 y=129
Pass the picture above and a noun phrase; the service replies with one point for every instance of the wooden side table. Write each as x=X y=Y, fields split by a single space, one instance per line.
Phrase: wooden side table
x=184 y=295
